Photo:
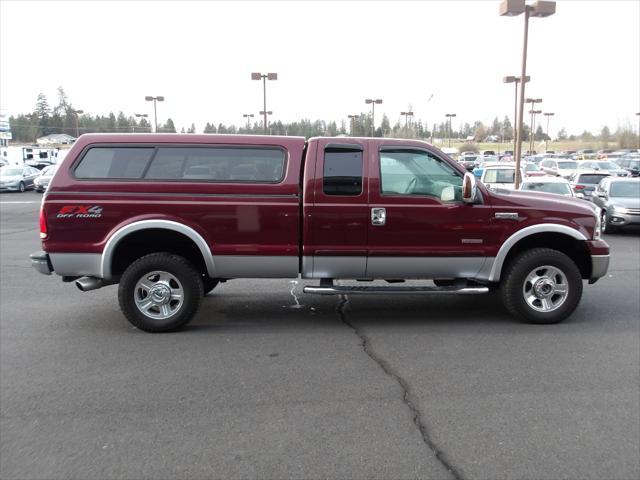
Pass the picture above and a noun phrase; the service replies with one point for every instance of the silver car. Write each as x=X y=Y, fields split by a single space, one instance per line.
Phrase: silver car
x=619 y=199
x=17 y=179
x=42 y=182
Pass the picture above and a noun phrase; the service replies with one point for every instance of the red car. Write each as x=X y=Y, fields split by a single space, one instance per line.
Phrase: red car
x=169 y=216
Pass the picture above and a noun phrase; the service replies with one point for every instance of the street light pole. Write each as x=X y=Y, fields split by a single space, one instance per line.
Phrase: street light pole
x=406 y=120
x=139 y=115
x=248 y=116
x=449 y=116
x=515 y=80
x=548 y=115
x=638 y=115
x=373 y=112
x=533 y=125
x=159 y=98
x=533 y=102
x=264 y=77
x=511 y=8
x=77 y=113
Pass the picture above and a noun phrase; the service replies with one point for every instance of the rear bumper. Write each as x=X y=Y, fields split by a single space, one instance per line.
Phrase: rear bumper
x=41 y=262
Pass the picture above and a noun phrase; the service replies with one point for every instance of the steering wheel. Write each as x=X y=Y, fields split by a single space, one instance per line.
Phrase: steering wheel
x=412 y=185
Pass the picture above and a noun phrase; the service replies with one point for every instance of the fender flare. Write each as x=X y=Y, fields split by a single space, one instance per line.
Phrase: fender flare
x=114 y=239
x=498 y=263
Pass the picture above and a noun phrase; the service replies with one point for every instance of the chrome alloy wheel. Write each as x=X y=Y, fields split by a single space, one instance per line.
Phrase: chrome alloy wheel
x=545 y=288
x=158 y=295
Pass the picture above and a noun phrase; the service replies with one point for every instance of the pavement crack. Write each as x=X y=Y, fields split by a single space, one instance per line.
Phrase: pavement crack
x=407 y=397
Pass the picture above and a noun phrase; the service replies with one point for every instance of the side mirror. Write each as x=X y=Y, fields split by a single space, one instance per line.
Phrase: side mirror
x=469 y=188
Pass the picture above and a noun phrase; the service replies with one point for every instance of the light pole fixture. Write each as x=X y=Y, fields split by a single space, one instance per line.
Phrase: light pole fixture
x=77 y=113
x=139 y=115
x=511 y=8
x=548 y=115
x=450 y=116
x=515 y=80
x=248 y=116
x=352 y=119
x=159 y=98
x=406 y=119
x=264 y=77
x=373 y=112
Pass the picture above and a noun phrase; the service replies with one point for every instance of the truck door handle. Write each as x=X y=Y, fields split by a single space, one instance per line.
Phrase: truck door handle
x=378 y=216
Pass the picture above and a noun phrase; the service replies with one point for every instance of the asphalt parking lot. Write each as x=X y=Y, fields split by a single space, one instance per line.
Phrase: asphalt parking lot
x=365 y=387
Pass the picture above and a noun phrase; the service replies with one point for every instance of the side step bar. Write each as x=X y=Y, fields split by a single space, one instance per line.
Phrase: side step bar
x=357 y=290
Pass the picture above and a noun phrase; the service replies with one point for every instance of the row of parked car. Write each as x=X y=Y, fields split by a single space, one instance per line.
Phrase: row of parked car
x=18 y=178
x=612 y=185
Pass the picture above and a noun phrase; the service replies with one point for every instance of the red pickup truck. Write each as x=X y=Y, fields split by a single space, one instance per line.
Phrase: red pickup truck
x=167 y=217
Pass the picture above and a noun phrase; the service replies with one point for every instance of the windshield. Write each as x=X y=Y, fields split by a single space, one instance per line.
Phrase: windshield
x=634 y=164
x=10 y=171
x=50 y=170
x=625 y=189
x=531 y=167
x=591 y=178
x=608 y=165
x=567 y=165
x=500 y=175
x=559 y=188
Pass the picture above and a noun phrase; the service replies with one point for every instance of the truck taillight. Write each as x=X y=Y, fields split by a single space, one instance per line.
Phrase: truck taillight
x=43 y=223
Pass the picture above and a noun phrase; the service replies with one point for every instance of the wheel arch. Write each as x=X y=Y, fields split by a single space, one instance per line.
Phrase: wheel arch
x=558 y=237
x=150 y=226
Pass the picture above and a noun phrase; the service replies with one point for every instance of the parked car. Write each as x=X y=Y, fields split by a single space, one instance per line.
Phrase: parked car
x=619 y=200
x=533 y=170
x=609 y=167
x=17 y=179
x=500 y=176
x=561 y=168
x=42 y=181
x=469 y=163
x=168 y=216
x=477 y=171
x=555 y=185
x=631 y=163
x=584 y=183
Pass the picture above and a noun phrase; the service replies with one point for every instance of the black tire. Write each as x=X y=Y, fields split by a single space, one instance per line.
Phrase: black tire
x=607 y=228
x=514 y=283
x=21 y=187
x=189 y=282
x=209 y=284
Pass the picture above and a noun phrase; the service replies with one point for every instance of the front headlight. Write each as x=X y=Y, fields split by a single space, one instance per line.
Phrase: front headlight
x=597 y=230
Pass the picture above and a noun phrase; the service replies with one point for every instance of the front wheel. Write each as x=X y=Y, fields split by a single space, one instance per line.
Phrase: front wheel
x=541 y=286
x=160 y=292
x=606 y=226
x=21 y=187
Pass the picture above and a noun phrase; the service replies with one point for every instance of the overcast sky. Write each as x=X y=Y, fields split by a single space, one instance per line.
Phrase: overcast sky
x=584 y=61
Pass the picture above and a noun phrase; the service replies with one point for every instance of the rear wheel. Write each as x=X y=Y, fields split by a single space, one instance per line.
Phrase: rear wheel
x=541 y=286
x=21 y=187
x=160 y=292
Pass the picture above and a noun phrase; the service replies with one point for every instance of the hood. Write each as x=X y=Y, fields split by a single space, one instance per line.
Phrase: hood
x=545 y=201
x=6 y=178
x=626 y=202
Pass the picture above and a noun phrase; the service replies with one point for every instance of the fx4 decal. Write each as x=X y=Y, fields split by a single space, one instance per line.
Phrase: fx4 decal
x=80 y=211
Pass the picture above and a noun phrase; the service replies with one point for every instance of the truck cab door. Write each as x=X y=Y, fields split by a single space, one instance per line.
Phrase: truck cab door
x=419 y=226
x=335 y=238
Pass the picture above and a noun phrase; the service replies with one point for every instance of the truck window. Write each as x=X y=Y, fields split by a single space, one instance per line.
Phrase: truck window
x=342 y=173
x=113 y=162
x=415 y=172
x=218 y=164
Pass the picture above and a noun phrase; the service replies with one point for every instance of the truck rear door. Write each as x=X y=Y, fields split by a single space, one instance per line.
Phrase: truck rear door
x=336 y=210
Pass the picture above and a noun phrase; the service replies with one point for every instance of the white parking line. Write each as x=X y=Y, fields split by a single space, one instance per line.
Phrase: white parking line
x=6 y=203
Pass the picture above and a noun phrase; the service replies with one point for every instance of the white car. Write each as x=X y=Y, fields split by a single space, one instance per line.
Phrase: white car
x=559 y=168
x=553 y=185
x=500 y=176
